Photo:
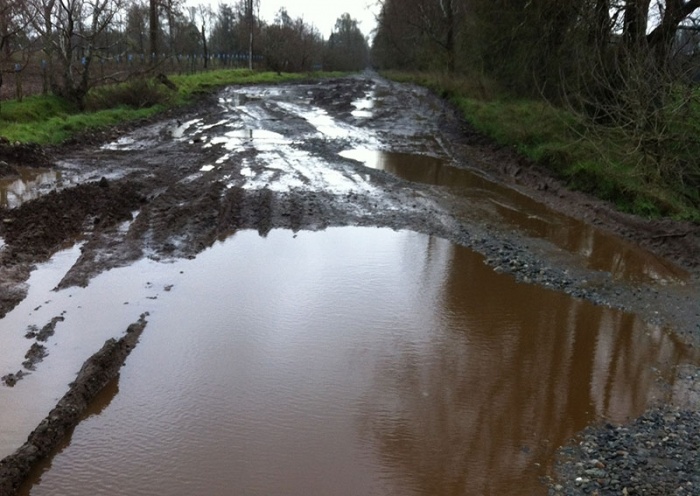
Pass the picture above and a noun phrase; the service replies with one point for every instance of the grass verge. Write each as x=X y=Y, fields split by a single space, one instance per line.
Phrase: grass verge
x=51 y=120
x=602 y=162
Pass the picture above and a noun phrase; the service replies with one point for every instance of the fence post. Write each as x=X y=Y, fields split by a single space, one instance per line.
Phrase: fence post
x=18 y=81
x=44 y=77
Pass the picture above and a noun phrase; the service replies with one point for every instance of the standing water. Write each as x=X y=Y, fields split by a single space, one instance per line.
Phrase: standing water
x=355 y=361
x=600 y=250
x=29 y=184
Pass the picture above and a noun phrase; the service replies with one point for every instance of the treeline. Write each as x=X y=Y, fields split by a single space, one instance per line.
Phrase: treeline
x=80 y=43
x=628 y=65
x=531 y=46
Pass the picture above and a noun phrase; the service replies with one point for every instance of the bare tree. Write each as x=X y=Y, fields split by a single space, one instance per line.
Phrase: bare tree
x=200 y=16
x=136 y=33
x=172 y=8
x=14 y=19
x=291 y=44
x=153 y=27
x=70 y=31
x=251 y=7
x=224 y=31
x=636 y=90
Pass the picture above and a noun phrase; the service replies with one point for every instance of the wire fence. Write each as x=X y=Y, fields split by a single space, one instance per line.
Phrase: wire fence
x=20 y=80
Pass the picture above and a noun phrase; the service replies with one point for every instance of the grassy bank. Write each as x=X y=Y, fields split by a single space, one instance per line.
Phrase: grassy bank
x=51 y=120
x=601 y=161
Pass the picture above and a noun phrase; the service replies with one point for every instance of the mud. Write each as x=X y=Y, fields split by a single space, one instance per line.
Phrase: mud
x=46 y=332
x=21 y=154
x=37 y=351
x=268 y=157
x=97 y=371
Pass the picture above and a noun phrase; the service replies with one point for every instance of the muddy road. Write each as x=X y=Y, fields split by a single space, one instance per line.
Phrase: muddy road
x=100 y=235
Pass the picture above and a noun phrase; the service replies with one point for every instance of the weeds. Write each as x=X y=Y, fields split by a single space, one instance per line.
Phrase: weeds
x=604 y=163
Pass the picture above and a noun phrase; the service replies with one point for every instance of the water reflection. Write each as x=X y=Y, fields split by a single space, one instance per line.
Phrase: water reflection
x=356 y=361
x=517 y=372
x=364 y=106
x=601 y=251
x=97 y=406
x=30 y=184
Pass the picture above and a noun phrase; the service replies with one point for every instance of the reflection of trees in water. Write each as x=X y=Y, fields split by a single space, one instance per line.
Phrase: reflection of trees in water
x=510 y=372
x=602 y=251
x=607 y=253
x=14 y=192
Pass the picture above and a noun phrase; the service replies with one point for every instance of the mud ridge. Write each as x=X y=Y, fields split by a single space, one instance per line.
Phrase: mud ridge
x=95 y=373
x=37 y=229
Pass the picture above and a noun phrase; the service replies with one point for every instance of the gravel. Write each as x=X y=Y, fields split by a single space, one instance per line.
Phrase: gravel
x=656 y=454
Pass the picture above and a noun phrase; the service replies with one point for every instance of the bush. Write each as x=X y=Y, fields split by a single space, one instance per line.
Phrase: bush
x=138 y=94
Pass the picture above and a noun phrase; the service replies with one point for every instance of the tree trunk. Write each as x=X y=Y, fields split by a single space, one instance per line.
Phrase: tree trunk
x=204 y=47
x=635 y=21
x=662 y=37
x=450 y=36
x=600 y=32
x=153 y=28
x=47 y=44
x=251 y=26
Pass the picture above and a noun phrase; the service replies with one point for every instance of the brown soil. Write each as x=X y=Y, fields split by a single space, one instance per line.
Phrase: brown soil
x=25 y=154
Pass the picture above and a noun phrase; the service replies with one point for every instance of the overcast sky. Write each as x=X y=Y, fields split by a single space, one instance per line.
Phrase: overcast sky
x=322 y=13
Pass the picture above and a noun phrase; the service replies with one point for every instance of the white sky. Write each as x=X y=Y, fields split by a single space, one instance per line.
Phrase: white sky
x=323 y=13
x=320 y=13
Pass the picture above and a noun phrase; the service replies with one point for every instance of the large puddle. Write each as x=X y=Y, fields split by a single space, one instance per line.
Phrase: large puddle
x=600 y=250
x=350 y=361
x=345 y=362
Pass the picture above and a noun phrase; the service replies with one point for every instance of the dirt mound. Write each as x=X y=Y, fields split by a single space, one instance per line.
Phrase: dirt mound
x=36 y=229
x=25 y=154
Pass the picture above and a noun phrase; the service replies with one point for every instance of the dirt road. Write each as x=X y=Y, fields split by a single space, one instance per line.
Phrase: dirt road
x=311 y=156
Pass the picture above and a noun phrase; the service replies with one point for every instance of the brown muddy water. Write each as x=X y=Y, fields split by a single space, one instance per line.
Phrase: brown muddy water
x=344 y=362
x=29 y=184
x=599 y=250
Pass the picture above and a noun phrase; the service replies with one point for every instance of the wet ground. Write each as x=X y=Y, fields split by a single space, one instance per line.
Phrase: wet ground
x=457 y=348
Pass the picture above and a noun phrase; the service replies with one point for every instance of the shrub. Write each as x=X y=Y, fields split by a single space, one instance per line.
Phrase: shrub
x=138 y=93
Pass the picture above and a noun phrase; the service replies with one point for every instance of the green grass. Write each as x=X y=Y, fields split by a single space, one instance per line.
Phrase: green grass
x=192 y=85
x=52 y=120
x=604 y=164
x=56 y=129
x=33 y=108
